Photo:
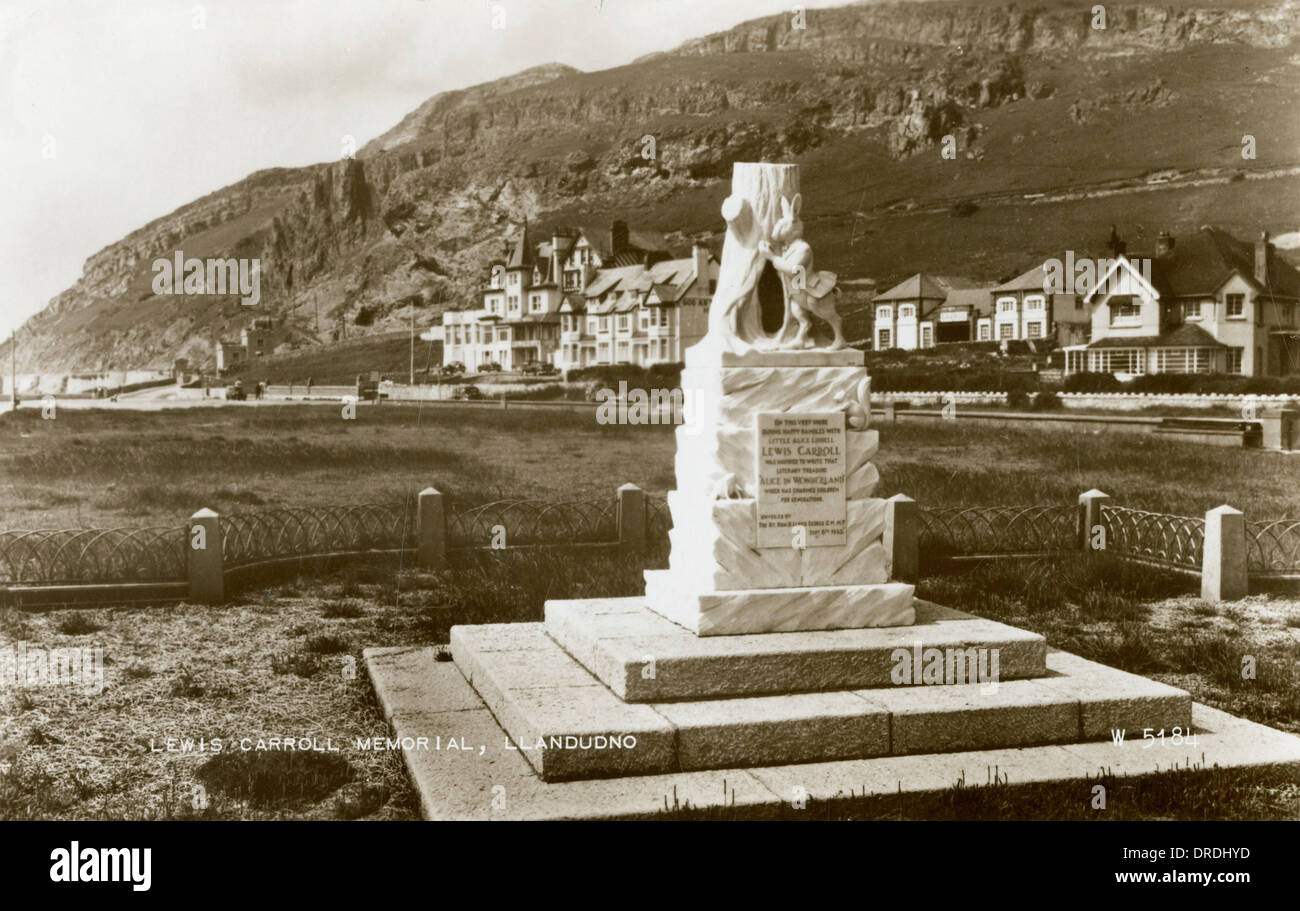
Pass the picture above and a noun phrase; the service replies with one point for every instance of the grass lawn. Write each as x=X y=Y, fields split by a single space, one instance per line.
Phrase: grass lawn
x=284 y=660
x=101 y=467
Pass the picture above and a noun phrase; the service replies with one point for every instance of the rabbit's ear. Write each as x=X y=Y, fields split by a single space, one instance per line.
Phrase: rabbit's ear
x=796 y=204
x=785 y=208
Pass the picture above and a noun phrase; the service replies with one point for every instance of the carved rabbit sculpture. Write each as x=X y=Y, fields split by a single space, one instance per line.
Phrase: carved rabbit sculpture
x=808 y=289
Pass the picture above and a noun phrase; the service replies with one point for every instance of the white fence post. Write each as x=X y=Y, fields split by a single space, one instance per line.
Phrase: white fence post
x=631 y=519
x=204 y=558
x=1090 y=504
x=902 y=538
x=1223 y=563
x=431 y=530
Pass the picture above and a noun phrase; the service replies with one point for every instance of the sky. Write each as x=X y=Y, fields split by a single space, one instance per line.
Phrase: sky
x=116 y=112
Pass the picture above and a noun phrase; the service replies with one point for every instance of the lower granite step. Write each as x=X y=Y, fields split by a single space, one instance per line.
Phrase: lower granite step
x=463 y=767
x=569 y=725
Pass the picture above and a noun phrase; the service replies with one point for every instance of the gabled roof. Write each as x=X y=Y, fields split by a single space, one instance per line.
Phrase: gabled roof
x=1033 y=280
x=522 y=255
x=573 y=303
x=927 y=287
x=1202 y=261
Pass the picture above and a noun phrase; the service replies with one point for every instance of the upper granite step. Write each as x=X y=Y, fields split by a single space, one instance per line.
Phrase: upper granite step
x=644 y=657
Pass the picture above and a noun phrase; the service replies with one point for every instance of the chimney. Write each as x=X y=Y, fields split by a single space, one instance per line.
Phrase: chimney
x=700 y=264
x=618 y=242
x=1164 y=244
x=557 y=264
x=1263 y=258
x=1117 y=246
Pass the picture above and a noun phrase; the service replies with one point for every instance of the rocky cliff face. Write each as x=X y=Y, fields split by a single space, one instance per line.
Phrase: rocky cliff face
x=413 y=221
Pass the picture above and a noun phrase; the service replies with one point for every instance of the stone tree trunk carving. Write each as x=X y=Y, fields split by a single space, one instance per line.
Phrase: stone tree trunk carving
x=765 y=281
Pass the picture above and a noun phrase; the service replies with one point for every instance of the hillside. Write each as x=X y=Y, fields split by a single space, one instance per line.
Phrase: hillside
x=1038 y=101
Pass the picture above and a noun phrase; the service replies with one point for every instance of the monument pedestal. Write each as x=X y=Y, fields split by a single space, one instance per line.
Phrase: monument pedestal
x=775 y=528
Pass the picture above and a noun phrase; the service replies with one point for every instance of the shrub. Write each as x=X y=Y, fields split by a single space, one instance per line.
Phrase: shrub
x=325 y=644
x=78 y=624
x=345 y=609
x=265 y=778
x=1047 y=400
x=1092 y=382
x=1017 y=400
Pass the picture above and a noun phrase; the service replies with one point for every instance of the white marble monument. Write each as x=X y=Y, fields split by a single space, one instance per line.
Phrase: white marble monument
x=775 y=526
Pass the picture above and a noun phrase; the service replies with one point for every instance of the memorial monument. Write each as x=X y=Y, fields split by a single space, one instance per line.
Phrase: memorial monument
x=776 y=642
x=775 y=526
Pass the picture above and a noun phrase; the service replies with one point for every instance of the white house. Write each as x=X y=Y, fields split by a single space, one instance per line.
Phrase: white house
x=1213 y=304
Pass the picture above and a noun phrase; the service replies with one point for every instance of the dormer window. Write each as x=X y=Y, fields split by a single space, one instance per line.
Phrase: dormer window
x=1034 y=302
x=884 y=312
x=907 y=311
x=1006 y=305
x=1236 y=306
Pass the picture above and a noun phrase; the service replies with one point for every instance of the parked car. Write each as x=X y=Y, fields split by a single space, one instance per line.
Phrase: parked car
x=468 y=393
x=453 y=369
x=537 y=368
x=489 y=367
x=235 y=392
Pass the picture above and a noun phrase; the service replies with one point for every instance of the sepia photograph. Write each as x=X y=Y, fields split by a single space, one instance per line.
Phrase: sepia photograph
x=628 y=411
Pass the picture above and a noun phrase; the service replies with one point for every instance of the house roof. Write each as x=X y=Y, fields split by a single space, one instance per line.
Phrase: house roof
x=601 y=238
x=1202 y=261
x=1033 y=280
x=522 y=255
x=928 y=287
x=1184 y=336
x=977 y=299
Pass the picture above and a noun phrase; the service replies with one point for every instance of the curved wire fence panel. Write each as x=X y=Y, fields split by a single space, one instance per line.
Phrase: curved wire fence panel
x=996 y=530
x=315 y=531
x=1273 y=547
x=658 y=520
x=89 y=556
x=1169 y=540
x=509 y=523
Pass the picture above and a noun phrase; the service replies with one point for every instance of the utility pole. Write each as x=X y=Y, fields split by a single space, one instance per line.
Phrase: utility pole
x=411 y=381
x=13 y=369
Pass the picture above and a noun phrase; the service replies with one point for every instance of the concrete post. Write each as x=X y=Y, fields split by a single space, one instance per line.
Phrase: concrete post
x=1223 y=565
x=204 y=558
x=889 y=411
x=631 y=519
x=1090 y=504
x=902 y=538
x=431 y=530
x=1277 y=428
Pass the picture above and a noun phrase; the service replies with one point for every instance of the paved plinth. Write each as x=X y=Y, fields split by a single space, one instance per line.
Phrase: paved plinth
x=464 y=767
x=570 y=725
x=644 y=657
